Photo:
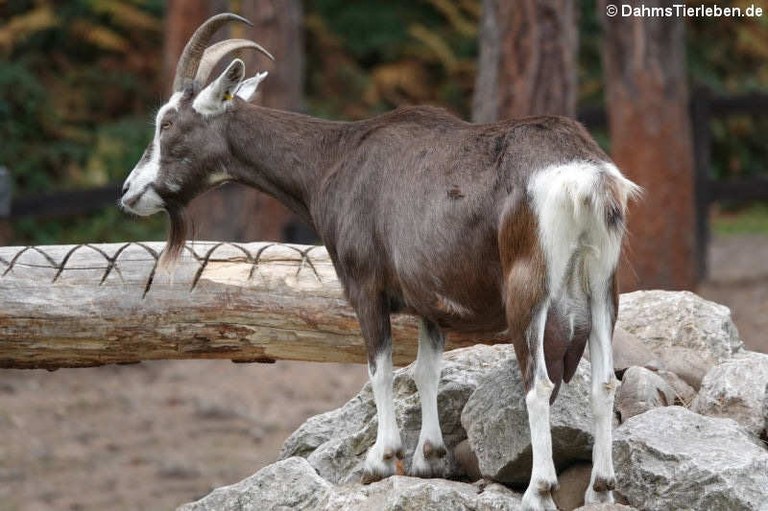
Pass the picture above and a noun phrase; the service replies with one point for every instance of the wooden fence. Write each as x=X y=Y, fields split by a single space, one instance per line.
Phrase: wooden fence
x=88 y=305
x=705 y=107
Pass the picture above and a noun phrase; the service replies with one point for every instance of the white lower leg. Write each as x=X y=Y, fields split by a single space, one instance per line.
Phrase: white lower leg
x=543 y=475
x=603 y=478
x=381 y=458
x=430 y=448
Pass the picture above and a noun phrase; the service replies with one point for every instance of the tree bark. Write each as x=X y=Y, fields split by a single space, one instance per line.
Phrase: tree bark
x=87 y=305
x=528 y=59
x=277 y=25
x=234 y=212
x=182 y=17
x=647 y=102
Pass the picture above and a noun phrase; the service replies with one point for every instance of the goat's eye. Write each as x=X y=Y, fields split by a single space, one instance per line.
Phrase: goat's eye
x=165 y=125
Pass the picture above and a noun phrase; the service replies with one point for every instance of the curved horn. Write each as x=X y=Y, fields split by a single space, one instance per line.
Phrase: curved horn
x=214 y=54
x=193 y=51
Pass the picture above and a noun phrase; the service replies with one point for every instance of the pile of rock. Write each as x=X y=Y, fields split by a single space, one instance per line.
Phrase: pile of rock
x=690 y=429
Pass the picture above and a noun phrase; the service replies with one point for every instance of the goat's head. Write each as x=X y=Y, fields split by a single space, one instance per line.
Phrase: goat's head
x=188 y=152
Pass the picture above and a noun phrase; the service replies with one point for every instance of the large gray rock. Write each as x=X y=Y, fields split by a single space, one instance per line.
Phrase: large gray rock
x=642 y=390
x=496 y=420
x=288 y=484
x=292 y=484
x=335 y=443
x=688 y=334
x=672 y=458
x=765 y=416
x=606 y=507
x=629 y=350
x=683 y=393
x=572 y=485
x=666 y=458
x=401 y=493
x=736 y=389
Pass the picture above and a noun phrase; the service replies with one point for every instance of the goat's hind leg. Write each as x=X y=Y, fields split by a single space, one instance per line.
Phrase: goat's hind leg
x=430 y=451
x=603 y=309
x=539 y=389
x=527 y=309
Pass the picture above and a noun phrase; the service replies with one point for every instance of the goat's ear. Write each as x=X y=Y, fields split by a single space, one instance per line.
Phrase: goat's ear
x=247 y=89
x=215 y=98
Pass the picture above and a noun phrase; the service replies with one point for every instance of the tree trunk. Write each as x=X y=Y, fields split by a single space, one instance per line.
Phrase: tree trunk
x=647 y=100
x=277 y=25
x=237 y=213
x=528 y=59
x=86 y=305
x=182 y=17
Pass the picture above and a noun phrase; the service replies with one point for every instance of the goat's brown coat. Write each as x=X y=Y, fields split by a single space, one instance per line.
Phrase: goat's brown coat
x=421 y=212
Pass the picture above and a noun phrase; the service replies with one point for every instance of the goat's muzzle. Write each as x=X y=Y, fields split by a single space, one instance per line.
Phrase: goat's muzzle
x=143 y=202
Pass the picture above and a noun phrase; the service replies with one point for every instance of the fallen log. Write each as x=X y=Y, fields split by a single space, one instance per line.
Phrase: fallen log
x=96 y=304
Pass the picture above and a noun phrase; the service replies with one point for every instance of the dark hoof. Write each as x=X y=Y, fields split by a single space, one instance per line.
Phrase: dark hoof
x=603 y=484
x=390 y=454
x=432 y=452
x=546 y=488
x=370 y=477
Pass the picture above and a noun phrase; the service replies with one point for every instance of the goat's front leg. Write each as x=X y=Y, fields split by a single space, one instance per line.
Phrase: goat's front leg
x=430 y=451
x=382 y=459
x=603 y=479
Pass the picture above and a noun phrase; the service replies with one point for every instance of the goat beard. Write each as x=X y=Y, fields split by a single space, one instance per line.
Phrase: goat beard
x=177 y=236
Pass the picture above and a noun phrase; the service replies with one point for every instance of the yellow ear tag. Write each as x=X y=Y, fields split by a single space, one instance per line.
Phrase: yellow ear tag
x=227 y=96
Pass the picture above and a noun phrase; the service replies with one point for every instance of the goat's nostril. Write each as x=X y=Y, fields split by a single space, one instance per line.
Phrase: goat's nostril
x=130 y=202
x=125 y=188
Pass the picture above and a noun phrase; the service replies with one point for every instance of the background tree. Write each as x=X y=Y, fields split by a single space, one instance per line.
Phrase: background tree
x=182 y=17
x=233 y=212
x=647 y=102
x=528 y=59
x=80 y=79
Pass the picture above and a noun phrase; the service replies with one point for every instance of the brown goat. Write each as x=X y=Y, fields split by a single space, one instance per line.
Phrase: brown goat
x=509 y=227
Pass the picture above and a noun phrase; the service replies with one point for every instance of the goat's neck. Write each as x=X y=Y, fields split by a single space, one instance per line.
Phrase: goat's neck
x=280 y=153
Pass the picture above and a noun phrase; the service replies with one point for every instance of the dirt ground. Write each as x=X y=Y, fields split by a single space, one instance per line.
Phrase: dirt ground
x=739 y=279
x=156 y=435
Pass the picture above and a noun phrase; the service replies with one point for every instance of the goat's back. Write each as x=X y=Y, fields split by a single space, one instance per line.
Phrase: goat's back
x=416 y=205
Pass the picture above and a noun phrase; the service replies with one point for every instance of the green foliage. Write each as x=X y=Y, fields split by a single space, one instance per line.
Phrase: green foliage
x=739 y=147
x=727 y=56
x=116 y=149
x=106 y=226
x=368 y=57
x=25 y=125
x=750 y=219
x=79 y=80
x=371 y=31
x=70 y=69
x=74 y=78
x=590 y=55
